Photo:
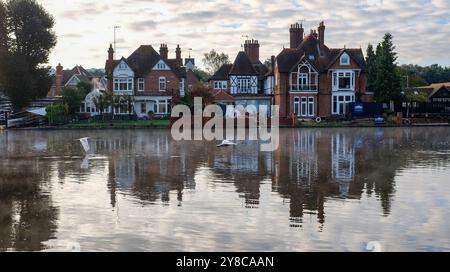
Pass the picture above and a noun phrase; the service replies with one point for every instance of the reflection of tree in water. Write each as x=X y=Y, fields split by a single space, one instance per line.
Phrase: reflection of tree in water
x=27 y=215
x=313 y=165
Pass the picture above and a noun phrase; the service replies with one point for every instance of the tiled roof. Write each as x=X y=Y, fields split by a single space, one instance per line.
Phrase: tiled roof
x=320 y=56
x=222 y=96
x=222 y=73
x=143 y=60
x=242 y=65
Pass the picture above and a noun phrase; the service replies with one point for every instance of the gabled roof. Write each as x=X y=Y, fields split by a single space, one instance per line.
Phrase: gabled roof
x=261 y=69
x=242 y=65
x=318 y=55
x=143 y=60
x=354 y=53
x=222 y=96
x=222 y=73
x=77 y=71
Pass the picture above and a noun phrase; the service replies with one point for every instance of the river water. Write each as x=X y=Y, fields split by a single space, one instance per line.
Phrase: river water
x=322 y=190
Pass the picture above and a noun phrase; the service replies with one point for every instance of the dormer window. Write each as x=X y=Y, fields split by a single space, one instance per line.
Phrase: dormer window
x=311 y=57
x=122 y=65
x=345 y=59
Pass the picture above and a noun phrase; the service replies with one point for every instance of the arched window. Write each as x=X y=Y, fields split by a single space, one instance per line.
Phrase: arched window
x=345 y=59
x=162 y=84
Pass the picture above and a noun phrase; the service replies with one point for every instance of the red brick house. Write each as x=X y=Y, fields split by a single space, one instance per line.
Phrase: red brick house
x=313 y=80
x=245 y=78
x=68 y=78
x=153 y=80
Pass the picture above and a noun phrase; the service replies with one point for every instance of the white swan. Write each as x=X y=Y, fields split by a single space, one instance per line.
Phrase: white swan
x=226 y=143
x=85 y=143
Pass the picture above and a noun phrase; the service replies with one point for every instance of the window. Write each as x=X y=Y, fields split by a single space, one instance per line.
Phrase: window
x=141 y=85
x=220 y=85
x=303 y=106
x=182 y=87
x=161 y=65
x=341 y=103
x=122 y=65
x=123 y=84
x=143 y=108
x=344 y=81
x=297 y=106
x=311 y=106
x=311 y=57
x=303 y=79
x=345 y=59
x=243 y=85
x=162 y=84
x=162 y=106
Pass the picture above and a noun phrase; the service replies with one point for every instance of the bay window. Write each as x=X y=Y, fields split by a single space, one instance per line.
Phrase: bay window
x=123 y=84
x=343 y=81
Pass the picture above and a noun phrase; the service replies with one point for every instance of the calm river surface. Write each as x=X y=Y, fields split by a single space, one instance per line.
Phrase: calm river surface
x=323 y=190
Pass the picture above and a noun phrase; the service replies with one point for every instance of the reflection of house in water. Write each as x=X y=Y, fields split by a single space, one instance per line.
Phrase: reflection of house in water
x=148 y=171
x=342 y=160
x=247 y=167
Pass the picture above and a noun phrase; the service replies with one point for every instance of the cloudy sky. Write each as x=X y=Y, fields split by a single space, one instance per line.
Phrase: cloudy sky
x=421 y=28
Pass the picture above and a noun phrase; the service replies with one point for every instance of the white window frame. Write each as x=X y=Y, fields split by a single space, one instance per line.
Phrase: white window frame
x=311 y=106
x=141 y=83
x=345 y=59
x=297 y=105
x=120 y=82
x=162 y=83
x=338 y=74
x=304 y=106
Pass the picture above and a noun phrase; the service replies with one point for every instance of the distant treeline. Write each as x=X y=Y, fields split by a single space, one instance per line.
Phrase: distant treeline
x=423 y=76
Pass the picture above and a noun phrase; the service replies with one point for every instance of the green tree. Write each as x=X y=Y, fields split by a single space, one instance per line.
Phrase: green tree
x=85 y=87
x=371 y=68
x=29 y=41
x=214 y=60
x=201 y=75
x=72 y=97
x=387 y=85
x=3 y=40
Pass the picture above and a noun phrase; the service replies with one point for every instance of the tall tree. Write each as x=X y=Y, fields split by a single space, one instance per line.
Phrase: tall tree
x=3 y=38
x=371 y=68
x=214 y=60
x=387 y=82
x=29 y=29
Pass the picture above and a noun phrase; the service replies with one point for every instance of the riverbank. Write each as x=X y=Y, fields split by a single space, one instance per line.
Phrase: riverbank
x=118 y=124
x=165 y=124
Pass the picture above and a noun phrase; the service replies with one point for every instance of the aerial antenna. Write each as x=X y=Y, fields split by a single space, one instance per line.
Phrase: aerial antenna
x=246 y=38
x=115 y=28
x=189 y=49
x=301 y=21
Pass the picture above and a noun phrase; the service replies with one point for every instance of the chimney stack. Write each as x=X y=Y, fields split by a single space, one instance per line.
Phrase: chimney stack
x=163 y=51
x=109 y=67
x=296 y=35
x=179 y=60
x=58 y=79
x=251 y=48
x=321 y=31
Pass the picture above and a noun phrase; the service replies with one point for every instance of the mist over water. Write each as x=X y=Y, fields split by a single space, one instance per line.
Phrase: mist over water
x=322 y=190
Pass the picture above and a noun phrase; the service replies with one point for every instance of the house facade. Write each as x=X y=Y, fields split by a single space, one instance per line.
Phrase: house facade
x=245 y=79
x=154 y=81
x=70 y=78
x=311 y=80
